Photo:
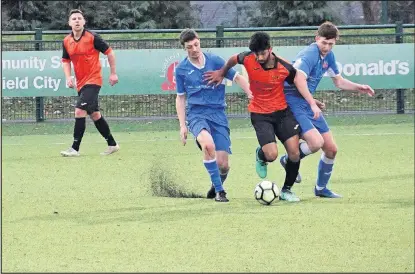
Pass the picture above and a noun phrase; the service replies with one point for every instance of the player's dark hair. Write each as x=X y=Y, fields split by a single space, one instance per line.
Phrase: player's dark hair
x=259 y=42
x=75 y=11
x=328 y=30
x=188 y=35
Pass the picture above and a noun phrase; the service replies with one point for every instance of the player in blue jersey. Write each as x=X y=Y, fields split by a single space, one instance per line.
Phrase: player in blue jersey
x=204 y=115
x=311 y=63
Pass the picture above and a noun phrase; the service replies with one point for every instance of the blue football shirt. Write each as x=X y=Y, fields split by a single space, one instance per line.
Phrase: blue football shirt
x=309 y=62
x=202 y=98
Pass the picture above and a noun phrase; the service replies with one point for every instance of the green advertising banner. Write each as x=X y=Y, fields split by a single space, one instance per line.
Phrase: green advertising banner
x=151 y=71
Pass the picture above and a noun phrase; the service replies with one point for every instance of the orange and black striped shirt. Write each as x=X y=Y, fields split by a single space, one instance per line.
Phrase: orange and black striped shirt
x=84 y=54
x=267 y=84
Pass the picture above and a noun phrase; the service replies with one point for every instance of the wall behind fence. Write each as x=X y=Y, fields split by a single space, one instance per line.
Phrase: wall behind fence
x=151 y=71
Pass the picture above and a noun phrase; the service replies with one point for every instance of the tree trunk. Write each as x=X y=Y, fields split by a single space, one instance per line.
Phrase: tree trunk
x=371 y=11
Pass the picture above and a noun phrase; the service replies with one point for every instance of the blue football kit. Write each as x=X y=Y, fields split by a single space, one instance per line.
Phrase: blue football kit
x=205 y=107
x=309 y=62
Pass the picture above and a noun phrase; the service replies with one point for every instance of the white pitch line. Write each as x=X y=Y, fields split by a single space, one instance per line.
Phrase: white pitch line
x=232 y=138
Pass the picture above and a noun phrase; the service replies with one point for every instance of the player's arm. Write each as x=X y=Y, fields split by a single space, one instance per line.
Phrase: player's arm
x=216 y=77
x=233 y=75
x=300 y=81
x=345 y=84
x=102 y=46
x=181 y=109
x=181 y=106
x=66 y=64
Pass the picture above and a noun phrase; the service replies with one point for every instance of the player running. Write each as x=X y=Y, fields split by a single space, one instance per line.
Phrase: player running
x=205 y=114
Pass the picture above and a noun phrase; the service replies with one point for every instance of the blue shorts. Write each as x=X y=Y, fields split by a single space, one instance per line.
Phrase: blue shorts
x=220 y=133
x=304 y=116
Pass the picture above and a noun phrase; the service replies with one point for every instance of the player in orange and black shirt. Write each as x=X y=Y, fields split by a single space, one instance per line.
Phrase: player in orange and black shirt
x=270 y=114
x=82 y=48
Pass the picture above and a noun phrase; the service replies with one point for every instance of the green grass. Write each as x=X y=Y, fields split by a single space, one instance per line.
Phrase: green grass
x=96 y=214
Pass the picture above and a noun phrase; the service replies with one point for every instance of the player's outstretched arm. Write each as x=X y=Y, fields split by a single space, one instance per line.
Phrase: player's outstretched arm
x=181 y=114
x=345 y=84
x=300 y=82
x=216 y=77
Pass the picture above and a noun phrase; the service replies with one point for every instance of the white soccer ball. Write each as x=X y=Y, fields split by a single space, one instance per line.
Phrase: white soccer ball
x=266 y=192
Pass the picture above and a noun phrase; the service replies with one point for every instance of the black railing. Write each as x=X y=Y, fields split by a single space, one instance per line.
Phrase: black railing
x=139 y=106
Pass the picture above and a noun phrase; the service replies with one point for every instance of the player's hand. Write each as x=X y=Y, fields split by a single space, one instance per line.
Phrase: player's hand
x=316 y=110
x=366 y=89
x=183 y=134
x=320 y=104
x=213 y=77
x=249 y=94
x=113 y=79
x=69 y=82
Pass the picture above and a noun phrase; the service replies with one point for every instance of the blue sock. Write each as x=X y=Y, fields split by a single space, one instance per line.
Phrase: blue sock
x=213 y=170
x=325 y=167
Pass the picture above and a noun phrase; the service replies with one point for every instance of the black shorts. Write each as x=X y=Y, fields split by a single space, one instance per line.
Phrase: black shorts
x=88 y=98
x=280 y=123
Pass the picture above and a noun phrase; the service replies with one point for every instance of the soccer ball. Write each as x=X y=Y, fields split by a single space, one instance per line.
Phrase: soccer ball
x=266 y=192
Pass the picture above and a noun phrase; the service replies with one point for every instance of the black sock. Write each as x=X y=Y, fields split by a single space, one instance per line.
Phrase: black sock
x=291 y=170
x=78 y=132
x=104 y=129
x=223 y=176
x=261 y=155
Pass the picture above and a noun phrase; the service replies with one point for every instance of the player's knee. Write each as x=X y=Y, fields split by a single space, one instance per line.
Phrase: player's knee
x=223 y=168
x=294 y=156
x=95 y=115
x=271 y=155
x=208 y=147
x=80 y=112
x=331 y=151
x=316 y=144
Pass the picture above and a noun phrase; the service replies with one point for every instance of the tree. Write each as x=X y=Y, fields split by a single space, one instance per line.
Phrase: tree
x=291 y=13
x=27 y=15
x=401 y=11
x=371 y=11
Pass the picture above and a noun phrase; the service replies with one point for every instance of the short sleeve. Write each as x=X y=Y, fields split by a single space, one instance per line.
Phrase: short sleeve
x=241 y=56
x=291 y=71
x=100 y=44
x=179 y=83
x=65 y=55
x=306 y=62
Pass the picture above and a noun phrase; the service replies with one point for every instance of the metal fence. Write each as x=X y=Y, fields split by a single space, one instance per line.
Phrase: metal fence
x=144 y=106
